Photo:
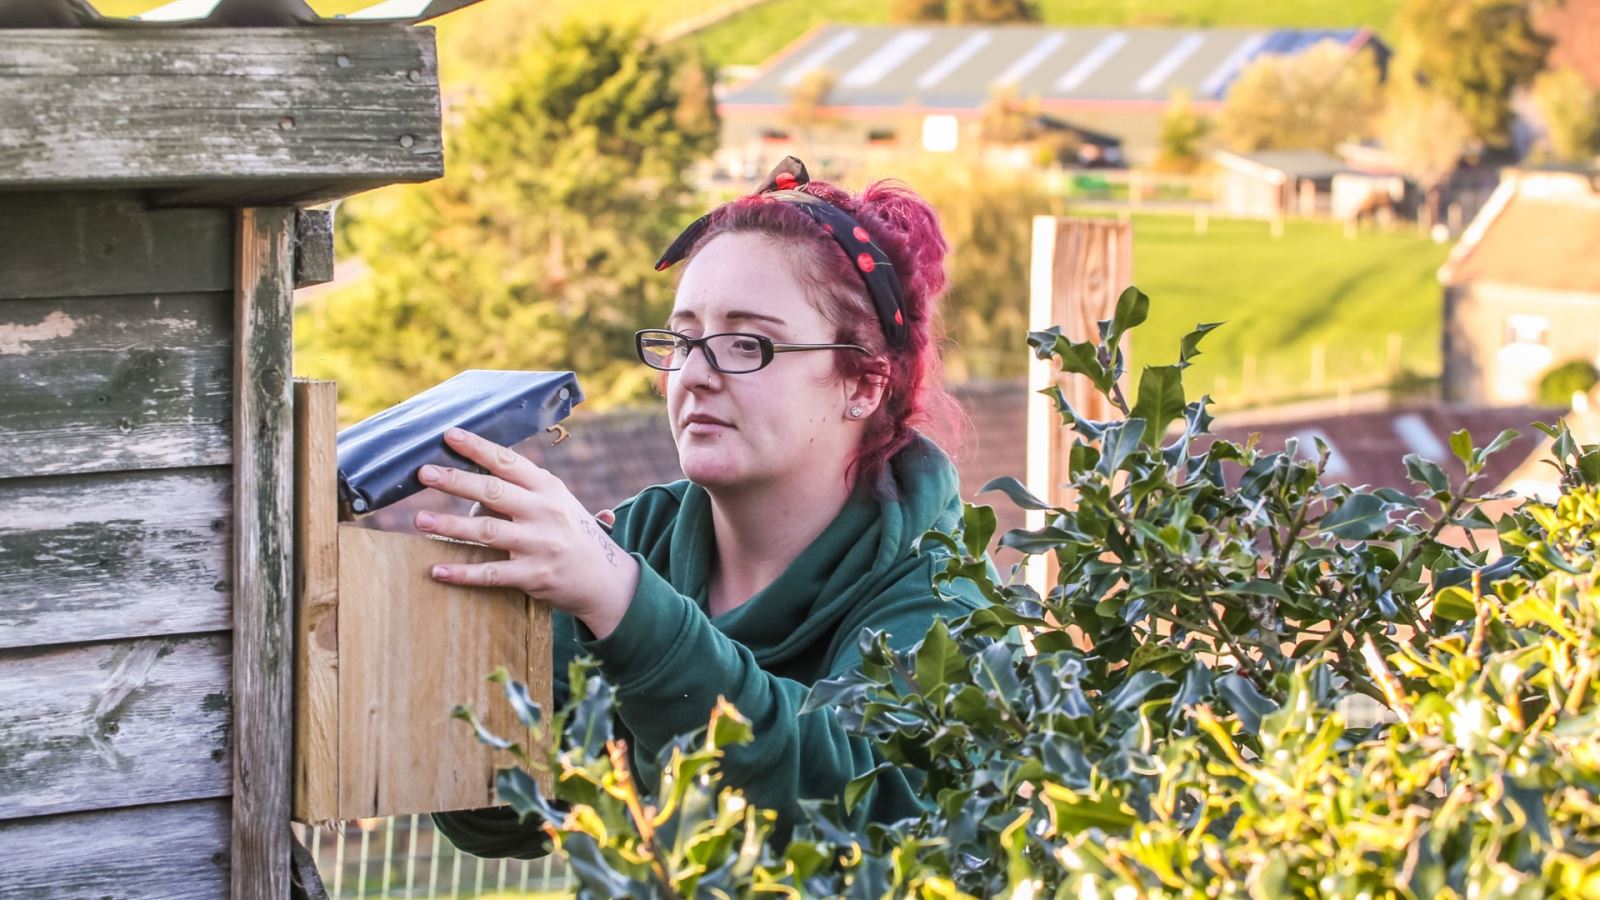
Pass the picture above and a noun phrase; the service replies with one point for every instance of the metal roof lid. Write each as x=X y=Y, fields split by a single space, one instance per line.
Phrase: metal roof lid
x=218 y=14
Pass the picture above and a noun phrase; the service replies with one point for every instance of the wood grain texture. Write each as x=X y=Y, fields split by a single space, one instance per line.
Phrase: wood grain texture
x=115 y=383
x=175 y=851
x=118 y=724
x=99 y=557
x=263 y=605
x=251 y=108
x=85 y=244
x=410 y=649
x=316 y=647
x=313 y=247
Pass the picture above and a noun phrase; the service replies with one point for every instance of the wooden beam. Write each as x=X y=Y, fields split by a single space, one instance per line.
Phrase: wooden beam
x=94 y=726
x=313 y=247
x=264 y=111
x=115 y=383
x=263 y=430
x=101 y=557
x=316 y=567
x=172 y=850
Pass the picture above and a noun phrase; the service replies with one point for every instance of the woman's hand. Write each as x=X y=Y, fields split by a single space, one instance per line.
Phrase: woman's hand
x=559 y=553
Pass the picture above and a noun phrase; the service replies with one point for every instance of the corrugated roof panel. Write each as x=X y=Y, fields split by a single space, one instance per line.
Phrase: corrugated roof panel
x=1218 y=79
x=1032 y=59
x=1091 y=62
x=819 y=57
x=969 y=47
x=886 y=58
x=1157 y=75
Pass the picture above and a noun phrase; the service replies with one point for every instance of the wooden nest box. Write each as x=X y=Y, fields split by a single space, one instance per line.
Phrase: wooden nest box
x=154 y=181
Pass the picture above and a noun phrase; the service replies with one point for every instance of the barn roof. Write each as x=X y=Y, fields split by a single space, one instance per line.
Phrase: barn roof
x=957 y=66
x=1539 y=230
x=217 y=14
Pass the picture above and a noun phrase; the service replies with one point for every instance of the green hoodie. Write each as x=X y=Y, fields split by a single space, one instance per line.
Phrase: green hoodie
x=669 y=660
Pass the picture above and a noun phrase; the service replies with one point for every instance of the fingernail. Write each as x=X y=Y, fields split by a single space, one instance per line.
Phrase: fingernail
x=428 y=473
x=425 y=520
x=455 y=434
x=441 y=572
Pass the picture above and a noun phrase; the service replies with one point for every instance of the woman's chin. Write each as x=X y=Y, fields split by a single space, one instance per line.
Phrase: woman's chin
x=708 y=469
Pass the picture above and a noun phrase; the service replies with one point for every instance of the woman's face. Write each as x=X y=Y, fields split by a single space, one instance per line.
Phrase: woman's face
x=788 y=419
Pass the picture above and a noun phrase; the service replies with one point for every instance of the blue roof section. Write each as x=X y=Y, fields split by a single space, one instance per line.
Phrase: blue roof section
x=961 y=66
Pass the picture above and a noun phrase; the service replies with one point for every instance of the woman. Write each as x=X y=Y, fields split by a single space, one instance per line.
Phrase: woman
x=798 y=361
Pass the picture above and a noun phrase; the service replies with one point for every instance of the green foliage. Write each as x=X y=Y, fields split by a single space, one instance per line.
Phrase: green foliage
x=1571 y=110
x=1314 y=100
x=532 y=252
x=1474 y=54
x=918 y=10
x=1575 y=376
x=1174 y=716
x=1182 y=131
x=992 y=11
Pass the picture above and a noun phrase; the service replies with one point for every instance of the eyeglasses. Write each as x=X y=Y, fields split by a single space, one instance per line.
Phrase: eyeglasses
x=733 y=353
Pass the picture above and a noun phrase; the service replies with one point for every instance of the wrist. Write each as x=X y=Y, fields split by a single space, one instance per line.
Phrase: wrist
x=613 y=603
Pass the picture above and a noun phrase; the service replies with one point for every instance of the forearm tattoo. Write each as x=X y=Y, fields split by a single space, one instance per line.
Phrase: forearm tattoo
x=605 y=541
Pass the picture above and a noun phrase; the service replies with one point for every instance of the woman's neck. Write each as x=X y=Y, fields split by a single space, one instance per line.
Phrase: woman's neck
x=759 y=532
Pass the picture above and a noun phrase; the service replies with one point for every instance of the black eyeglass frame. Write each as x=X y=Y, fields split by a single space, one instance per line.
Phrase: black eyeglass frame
x=769 y=348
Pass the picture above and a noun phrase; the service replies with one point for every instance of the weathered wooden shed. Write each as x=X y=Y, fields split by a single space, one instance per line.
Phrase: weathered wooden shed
x=153 y=180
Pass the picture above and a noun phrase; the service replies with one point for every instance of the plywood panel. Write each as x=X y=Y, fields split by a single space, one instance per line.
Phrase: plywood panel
x=410 y=649
x=60 y=244
x=174 y=851
x=98 y=557
x=117 y=724
x=115 y=383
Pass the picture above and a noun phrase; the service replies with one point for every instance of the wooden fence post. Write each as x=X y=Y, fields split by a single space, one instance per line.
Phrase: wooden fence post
x=1079 y=268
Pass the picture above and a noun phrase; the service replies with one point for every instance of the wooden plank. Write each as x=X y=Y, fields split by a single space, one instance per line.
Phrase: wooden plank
x=316 y=639
x=55 y=244
x=96 y=726
x=163 y=107
x=175 y=851
x=313 y=247
x=115 y=383
x=399 y=750
x=263 y=605
x=101 y=557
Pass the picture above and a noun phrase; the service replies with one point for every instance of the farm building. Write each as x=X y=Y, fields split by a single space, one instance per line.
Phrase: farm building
x=926 y=86
x=153 y=176
x=1521 y=289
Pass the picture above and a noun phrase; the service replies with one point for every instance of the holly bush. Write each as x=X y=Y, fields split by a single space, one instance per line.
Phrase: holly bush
x=1241 y=682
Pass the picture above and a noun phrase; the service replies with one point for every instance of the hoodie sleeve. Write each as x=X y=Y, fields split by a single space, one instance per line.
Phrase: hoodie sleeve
x=670 y=664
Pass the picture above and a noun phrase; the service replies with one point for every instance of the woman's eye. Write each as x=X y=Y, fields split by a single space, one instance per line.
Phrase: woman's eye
x=748 y=346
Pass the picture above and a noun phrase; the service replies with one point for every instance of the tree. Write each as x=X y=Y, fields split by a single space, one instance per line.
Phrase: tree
x=808 y=100
x=535 y=250
x=1315 y=99
x=1425 y=134
x=1182 y=130
x=1571 y=110
x=919 y=10
x=992 y=11
x=1006 y=119
x=1474 y=54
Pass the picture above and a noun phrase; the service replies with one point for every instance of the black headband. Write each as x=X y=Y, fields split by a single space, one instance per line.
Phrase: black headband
x=871 y=263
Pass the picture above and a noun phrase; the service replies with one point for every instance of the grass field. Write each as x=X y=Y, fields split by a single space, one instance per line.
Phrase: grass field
x=1283 y=297
x=751 y=37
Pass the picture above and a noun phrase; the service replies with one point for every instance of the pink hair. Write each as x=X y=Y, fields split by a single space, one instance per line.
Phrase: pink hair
x=905 y=227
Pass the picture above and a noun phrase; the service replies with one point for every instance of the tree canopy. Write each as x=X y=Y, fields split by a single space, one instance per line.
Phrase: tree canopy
x=1316 y=99
x=1475 y=54
x=535 y=250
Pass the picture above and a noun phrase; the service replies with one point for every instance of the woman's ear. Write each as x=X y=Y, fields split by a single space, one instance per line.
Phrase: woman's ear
x=864 y=392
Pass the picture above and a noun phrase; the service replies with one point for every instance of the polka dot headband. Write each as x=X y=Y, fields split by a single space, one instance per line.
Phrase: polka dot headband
x=871 y=263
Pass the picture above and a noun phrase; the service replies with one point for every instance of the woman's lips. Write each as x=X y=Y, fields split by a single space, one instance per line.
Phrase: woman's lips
x=705 y=427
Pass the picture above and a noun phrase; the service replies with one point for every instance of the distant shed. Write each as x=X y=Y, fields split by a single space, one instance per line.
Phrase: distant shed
x=152 y=176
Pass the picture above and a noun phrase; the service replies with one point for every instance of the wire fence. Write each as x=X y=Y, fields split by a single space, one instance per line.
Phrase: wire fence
x=406 y=856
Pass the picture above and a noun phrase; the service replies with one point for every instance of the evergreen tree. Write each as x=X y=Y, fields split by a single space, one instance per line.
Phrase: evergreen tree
x=535 y=250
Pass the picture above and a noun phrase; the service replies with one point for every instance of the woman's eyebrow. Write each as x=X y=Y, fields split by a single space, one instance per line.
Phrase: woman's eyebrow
x=744 y=314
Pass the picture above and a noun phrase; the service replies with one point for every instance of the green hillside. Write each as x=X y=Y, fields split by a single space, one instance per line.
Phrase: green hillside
x=751 y=37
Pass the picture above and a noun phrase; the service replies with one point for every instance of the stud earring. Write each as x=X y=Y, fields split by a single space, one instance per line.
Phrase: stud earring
x=855 y=412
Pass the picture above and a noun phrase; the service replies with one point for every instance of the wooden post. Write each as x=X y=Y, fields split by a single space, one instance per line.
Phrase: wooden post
x=263 y=458
x=316 y=575
x=1319 y=366
x=1079 y=268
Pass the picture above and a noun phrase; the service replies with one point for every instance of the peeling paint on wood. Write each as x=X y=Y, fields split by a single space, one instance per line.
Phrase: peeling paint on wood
x=117 y=724
x=107 y=242
x=172 y=851
x=115 y=383
x=111 y=556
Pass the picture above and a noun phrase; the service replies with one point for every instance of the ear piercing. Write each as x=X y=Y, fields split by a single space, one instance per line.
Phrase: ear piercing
x=855 y=412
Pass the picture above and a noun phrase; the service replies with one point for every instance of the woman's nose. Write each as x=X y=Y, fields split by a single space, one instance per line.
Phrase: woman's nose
x=696 y=371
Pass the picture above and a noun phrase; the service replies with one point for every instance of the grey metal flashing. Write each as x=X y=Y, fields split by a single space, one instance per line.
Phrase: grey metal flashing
x=218 y=14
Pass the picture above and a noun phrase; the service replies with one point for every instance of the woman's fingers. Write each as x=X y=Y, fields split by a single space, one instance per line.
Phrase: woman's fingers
x=501 y=534
x=490 y=574
x=499 y=460
x=492 y=491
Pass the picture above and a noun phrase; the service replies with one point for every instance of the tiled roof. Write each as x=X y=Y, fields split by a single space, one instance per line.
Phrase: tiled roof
x=957 y=66
x=1575 y=26
x=1538 y=230
x=217 y=14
